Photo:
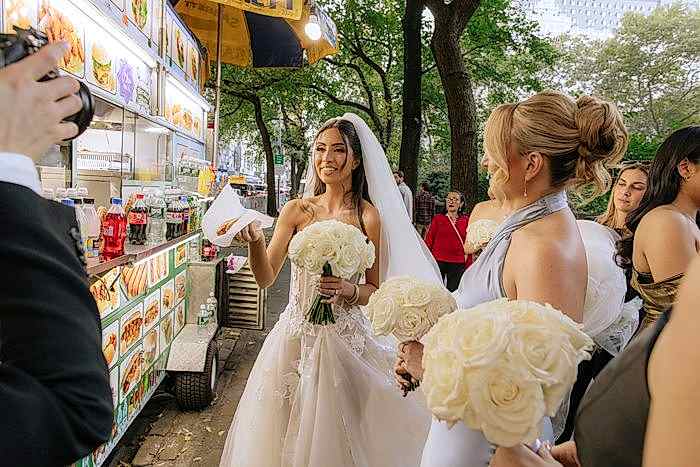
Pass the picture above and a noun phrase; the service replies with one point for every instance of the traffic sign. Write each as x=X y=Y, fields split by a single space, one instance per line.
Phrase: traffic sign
x=279 y=159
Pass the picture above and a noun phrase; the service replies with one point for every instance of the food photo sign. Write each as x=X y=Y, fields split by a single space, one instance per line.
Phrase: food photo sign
x=141 y=316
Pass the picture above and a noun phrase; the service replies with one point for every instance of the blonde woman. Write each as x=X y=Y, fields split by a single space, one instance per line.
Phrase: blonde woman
x=536 y=149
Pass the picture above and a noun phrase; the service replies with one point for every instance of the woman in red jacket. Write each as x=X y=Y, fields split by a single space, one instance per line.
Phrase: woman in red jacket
x=445 y=238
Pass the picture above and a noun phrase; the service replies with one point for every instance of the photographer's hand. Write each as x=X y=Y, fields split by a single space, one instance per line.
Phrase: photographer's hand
x=32 y=112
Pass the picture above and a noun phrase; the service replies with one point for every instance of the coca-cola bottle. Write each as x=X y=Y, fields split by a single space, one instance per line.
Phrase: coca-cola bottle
x=114 y=230
x=173 y=220
x=185 y=206
x=138 y=221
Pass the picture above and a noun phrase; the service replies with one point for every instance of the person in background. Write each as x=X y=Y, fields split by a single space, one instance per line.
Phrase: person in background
x=425 y=208
x=445 y=239
x=405 y=192
x=627 y=192
x=55 y=397
x=664 y=228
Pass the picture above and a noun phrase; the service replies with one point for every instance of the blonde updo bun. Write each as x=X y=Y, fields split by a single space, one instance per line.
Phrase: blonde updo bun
x=603 y=141
x=580 y=138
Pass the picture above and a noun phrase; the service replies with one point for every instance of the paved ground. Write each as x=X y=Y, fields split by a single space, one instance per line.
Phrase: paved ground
x=165 y=436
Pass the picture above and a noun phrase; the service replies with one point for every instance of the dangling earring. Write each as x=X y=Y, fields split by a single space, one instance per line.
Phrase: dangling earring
x=525 y=194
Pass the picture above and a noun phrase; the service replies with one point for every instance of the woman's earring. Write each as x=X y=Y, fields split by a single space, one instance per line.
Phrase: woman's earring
x=525 y=194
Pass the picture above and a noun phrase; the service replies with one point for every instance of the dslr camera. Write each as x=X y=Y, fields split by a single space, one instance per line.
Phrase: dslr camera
x=15 y=47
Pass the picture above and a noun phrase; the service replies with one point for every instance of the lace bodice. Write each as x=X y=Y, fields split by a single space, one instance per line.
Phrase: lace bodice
x=350 y=322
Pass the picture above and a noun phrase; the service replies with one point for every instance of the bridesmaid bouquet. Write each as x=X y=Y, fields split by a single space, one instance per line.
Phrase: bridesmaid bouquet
x=501 y=366
x=330 y=248
x=408 y=308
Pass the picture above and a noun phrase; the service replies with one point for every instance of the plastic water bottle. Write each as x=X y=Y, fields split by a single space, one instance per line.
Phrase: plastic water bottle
x=211 y=305
x=156 y=219
x=92 y=248
x=203 y=316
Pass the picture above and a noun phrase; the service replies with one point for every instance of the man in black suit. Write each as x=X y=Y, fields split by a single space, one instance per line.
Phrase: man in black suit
x=55 y=400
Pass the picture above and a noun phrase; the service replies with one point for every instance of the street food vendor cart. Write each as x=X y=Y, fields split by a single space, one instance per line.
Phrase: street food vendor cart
x=144 y=69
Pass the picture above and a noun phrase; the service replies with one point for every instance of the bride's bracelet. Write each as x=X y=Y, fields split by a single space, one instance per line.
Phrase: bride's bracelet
x=355 y=296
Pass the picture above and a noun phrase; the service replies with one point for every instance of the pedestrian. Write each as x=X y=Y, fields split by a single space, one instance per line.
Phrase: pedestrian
x=406 y=193
x=425 y=208
x=55 y=398
x=445 y=239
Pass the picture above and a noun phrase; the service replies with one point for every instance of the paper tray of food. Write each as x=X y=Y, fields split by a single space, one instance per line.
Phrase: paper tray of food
x=227 y=216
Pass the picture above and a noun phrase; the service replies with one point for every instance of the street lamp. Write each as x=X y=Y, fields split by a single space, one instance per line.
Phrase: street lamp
x=312 y=28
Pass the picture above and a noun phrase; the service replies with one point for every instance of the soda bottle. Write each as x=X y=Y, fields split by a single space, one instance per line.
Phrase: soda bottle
x=114 y=230
x=93 y=228
x=138 y=221
x=173 y=220
x=185 y=207
x=156 y=219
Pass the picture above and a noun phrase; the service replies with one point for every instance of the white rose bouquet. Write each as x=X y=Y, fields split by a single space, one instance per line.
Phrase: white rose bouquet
x=408 y=308
x=330 y=248
x=501 y=366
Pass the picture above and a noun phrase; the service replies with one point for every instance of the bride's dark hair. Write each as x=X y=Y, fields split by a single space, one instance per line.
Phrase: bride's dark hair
x=358 y=187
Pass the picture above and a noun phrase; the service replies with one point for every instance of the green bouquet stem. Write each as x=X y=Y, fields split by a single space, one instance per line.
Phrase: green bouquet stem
x=321 y=312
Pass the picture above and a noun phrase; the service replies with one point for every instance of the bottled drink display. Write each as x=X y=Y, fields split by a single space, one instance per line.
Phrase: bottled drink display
x=174 y=220
x=93 y=228
x=185 y=207
x=156 y=219
x=138 y=221
x=82 y=219
x=114 y=230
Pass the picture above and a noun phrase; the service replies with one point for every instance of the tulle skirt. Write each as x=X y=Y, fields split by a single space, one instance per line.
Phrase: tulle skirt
x=322 y=396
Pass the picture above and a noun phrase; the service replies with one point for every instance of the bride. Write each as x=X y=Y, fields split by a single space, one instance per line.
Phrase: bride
x=322 y=396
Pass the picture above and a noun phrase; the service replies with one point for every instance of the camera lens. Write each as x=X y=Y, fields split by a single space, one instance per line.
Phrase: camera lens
x=84 y=116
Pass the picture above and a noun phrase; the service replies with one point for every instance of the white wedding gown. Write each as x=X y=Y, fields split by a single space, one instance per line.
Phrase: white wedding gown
x=324 y=396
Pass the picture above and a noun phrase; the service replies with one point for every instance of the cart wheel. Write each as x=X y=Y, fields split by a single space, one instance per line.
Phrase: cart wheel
x=195 y=390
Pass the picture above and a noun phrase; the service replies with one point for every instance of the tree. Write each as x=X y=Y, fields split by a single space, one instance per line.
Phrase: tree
x=504 y=59
x=650 y=68
x=450 y=21
x=411 y=121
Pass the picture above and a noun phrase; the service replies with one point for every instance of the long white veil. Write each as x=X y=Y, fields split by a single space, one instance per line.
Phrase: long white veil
x=401 y=250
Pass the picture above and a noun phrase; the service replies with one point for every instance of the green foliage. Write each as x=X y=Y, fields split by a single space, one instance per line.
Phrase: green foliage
x=650 y=69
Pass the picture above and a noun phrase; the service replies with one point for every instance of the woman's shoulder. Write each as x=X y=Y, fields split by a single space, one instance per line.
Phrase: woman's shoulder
x=370 y=214
x=660 y=219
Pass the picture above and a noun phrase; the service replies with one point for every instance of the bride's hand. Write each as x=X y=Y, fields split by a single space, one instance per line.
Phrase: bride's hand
x=251 y=233
x=411 y=353
x=335 y=289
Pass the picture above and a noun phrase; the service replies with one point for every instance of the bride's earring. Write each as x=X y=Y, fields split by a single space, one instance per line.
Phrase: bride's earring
x=525 y=194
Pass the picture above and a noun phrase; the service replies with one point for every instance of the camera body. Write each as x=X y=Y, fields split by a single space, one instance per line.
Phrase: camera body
x=25 y=42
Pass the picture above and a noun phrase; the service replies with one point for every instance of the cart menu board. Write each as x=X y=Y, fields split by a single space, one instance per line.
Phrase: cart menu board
x=95 y=56
x=181 y=48
x=143 y=309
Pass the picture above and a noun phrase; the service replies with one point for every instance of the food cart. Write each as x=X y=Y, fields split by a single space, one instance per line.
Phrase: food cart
x=144 y=68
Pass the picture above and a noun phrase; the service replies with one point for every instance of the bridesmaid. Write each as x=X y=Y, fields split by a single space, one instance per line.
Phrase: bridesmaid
x=644 y=408
x=665 y=234
x=536 y=149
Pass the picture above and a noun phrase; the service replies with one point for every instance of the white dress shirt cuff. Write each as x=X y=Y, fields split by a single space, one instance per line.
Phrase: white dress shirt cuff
x=19 y=170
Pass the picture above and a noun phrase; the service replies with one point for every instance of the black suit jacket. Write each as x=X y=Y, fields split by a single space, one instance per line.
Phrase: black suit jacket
x=55 y=399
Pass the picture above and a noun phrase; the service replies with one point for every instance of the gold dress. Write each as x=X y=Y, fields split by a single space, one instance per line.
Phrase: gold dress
x=658 y=297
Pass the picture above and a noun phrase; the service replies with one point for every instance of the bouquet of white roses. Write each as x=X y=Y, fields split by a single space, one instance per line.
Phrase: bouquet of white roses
x=408 y=308
x=501 y=366
x=330 y=248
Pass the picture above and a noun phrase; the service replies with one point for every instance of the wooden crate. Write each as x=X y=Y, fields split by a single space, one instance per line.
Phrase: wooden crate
x=245 y=301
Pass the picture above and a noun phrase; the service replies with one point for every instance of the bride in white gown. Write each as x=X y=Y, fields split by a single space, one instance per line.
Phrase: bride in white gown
x=322 y=396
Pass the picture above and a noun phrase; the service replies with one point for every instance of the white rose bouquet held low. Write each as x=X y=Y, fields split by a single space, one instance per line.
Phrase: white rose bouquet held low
x=330 y=248
x=501 y=366
x=408 y=308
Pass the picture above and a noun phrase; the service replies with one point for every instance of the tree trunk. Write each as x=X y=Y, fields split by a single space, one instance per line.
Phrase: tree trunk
x=461 y=108
x=412 y=103
x=294 y=189
x=269 y=157
x=300 y=168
